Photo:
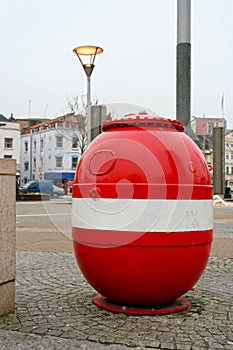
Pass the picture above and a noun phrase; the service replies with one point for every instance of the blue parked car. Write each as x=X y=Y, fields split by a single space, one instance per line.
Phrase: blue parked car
x=42 y=186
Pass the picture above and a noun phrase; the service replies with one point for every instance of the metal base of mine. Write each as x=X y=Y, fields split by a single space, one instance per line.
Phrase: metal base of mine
x=180 y=304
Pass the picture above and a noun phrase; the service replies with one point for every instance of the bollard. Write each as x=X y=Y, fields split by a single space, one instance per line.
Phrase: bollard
x=142 y=215
x=7 y=235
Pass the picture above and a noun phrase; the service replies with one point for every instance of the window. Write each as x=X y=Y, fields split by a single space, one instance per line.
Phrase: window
x=26 y=166
x=74 y=126
x=41 y=144
x=7 y=156
x=74 y=162
x=210 y=127
x=34 y=164
x=59 y=161
x=33 y=186
x=34 y=146
x=8 y=142
x=59 y=125
x=59 y=141
x=25 y=146
x=227 y=156
x=75 y=142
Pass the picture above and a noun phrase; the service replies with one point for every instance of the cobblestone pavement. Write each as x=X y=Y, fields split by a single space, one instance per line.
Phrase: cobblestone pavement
x=54 y=310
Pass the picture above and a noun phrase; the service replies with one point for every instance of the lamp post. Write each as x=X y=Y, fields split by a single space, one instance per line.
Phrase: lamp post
x=90 y=52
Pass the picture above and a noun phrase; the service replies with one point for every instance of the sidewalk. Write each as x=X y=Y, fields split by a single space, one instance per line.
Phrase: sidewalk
x=54 y=310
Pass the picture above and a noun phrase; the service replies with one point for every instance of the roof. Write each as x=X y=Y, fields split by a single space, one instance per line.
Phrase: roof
x=208 y=118
x=67 y=117
x=229 y=131
x=3 y=119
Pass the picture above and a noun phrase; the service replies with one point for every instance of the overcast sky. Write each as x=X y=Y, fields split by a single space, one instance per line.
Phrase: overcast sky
x=39 y=71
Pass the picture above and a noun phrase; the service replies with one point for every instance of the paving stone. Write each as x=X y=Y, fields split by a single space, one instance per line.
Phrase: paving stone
x=54 y=310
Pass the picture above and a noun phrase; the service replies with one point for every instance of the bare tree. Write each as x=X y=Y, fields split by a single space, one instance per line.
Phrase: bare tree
x=76 y=105
x=81 y=135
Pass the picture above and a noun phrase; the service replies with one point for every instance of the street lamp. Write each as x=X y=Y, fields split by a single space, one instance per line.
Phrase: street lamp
x=90 y=52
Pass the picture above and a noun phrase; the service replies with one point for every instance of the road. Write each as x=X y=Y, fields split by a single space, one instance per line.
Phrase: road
x=46 y=226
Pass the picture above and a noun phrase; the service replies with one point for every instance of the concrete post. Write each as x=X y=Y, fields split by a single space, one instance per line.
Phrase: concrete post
x=98 y=115
x=219 y=160
x=183 y=62
x=7 y=235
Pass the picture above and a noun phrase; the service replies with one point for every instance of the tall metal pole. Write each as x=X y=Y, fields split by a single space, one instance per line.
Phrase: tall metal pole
x=88 y=92
x=183 y=62
x=89 y=126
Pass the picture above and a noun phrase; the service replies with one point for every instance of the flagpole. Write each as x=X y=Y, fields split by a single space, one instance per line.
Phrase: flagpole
x=222 y=105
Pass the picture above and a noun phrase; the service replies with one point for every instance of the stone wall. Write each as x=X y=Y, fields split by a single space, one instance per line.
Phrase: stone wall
x=7 y=235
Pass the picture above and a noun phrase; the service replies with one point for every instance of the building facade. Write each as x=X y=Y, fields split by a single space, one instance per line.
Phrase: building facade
x=203 y=127
x=50 y=150
x=229 y=158
x=10 y=141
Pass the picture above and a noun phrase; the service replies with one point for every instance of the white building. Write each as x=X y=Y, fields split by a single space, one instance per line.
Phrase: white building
x=50 y=150
x=10 y=141
x=229 y=158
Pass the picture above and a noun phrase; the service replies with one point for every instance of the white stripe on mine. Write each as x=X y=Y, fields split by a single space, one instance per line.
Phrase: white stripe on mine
x=142 y=215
